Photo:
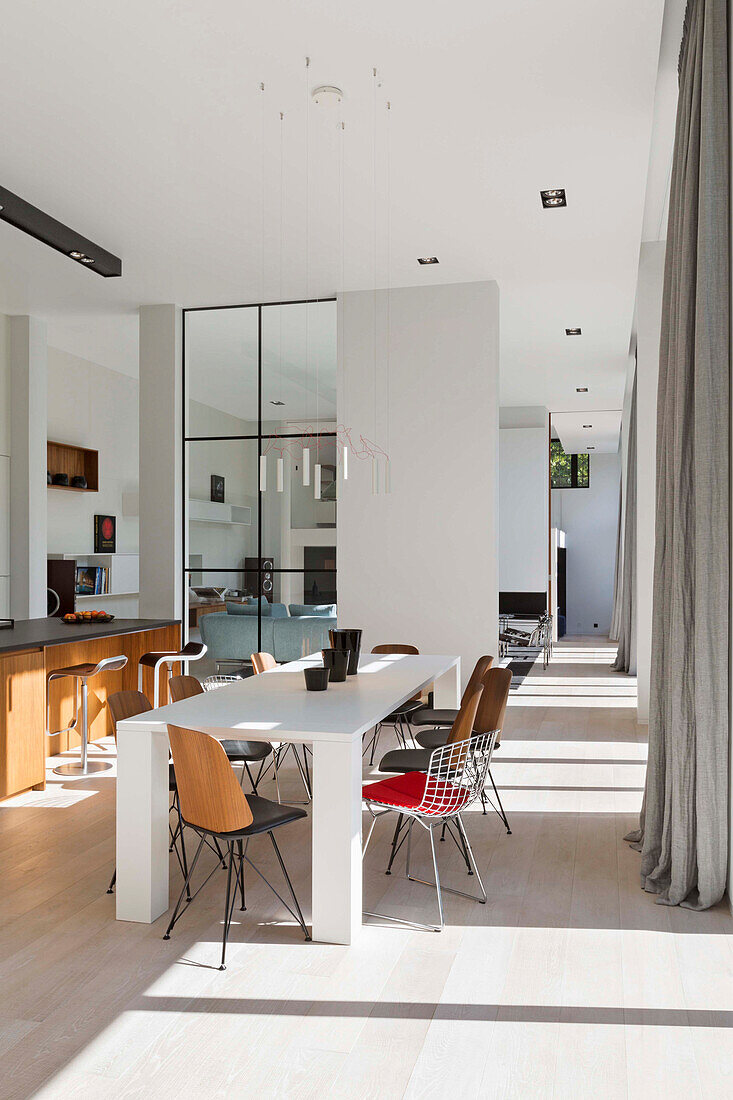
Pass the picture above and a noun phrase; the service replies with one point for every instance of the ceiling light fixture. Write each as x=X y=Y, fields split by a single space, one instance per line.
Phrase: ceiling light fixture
x=554 y=197
x=587 y=425
x=277 y=402
x=581 y=389
x=328 y=94
x=428 y=260
x=572 y=332
x=590 y=448
x=36 y=223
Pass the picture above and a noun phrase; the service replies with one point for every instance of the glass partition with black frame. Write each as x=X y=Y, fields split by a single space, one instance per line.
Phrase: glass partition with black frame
x=260 y=473
x=568 y=471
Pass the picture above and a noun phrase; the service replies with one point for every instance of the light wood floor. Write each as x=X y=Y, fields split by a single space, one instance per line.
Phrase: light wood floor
x=570 y=982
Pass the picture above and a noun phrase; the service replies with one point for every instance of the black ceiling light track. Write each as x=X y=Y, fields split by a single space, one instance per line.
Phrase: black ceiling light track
x=16 y=211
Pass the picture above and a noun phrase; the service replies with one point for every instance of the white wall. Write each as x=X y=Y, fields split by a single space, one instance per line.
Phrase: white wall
x=419 y=564
x=523 y=509
x=590 y=521
x=649 y=324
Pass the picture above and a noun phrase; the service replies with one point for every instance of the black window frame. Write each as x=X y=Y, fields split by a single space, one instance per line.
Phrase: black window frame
x=187 y=569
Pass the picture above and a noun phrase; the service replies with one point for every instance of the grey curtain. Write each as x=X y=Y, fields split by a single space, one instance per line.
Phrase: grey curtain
x=626 y=653
x=684 y=826
x=613 y=633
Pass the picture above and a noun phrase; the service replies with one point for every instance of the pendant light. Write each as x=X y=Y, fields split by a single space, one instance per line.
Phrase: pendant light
x=317 y=480
x=263 y=473
x=280 y=472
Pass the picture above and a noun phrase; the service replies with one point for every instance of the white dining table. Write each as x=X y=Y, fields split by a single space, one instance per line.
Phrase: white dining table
x=273 y=706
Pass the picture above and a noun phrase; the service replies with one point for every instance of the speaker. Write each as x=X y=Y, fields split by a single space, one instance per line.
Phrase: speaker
x=262 y=583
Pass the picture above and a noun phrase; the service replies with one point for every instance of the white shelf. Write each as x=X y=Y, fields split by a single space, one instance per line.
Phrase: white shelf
x=211 y=511
x=106 y=595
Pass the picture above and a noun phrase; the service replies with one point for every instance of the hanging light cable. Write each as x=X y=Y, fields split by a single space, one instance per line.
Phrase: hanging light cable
x=263 y=457
x=306 y=450
x=280 y=478
x=345 y=446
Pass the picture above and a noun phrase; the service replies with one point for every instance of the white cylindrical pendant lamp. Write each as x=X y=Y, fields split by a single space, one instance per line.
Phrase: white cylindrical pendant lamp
x=306 y=466
x=280 y=475
x=263 y=473
x=317 y=479
x=345 y=460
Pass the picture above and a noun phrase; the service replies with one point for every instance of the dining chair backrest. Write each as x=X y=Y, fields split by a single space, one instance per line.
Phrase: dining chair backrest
x=126 y=704
x=209 y=793
x=262 y=662
x=456 y=774
x=463 y=725
x=184 y=687
x=492 y=708
x=482 y=666
x=399 y=647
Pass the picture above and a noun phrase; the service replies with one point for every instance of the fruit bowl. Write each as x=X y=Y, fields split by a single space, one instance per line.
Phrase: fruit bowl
x=82 y=618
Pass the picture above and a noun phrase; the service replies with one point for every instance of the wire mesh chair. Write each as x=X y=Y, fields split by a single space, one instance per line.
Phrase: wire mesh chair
x=211 y=683
x=454 y=780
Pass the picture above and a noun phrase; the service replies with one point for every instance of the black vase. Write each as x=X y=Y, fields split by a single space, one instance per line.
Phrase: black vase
x=316 y=679
x=349 y=640
x=336 y=661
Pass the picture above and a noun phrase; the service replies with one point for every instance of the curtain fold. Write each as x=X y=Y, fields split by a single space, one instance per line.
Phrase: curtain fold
x=626 y=653
x=613 y=632
x=684 y=824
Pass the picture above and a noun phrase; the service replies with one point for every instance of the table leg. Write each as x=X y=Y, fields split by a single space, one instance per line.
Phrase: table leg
x=336 y=840
x=142 y=824
x=447 y=689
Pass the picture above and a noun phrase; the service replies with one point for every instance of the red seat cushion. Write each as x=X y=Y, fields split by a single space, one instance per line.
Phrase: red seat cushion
x=407 y=792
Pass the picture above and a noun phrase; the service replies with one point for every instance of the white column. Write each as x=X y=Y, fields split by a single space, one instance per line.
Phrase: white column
x=649 y=323
x=161 y=447
x=4 y=466
x=28 y=386
x=432 y=403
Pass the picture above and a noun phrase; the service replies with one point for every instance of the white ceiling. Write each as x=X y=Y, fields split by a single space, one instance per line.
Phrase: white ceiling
x=603 y=435
x=141 y=125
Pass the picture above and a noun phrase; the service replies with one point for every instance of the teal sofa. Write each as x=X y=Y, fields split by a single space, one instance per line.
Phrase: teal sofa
x=233 y=636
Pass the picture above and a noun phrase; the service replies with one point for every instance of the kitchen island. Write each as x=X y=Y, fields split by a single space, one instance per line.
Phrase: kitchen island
x=34 y=647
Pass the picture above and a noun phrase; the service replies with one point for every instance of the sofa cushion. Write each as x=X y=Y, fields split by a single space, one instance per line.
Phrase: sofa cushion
x=234 y=637
x=248 y=608
x=295 y=637
x=320 y=610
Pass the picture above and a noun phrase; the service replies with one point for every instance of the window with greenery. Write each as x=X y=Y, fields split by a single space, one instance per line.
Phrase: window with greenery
x=568 y=471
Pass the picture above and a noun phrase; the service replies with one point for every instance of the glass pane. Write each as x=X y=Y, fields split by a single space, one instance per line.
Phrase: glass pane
x=583 y=471
x=221 y=371
x=298 y=366
x=222 y=512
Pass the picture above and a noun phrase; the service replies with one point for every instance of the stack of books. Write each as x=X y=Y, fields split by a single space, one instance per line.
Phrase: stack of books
x=92 y=580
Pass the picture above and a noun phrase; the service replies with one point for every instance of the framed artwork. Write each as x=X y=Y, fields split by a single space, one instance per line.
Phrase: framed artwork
x=105 y=534
x=217 y=488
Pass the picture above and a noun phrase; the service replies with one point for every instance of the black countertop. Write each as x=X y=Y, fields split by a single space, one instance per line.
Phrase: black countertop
x=36 y=633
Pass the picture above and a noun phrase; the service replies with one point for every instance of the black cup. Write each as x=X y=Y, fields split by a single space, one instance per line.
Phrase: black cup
x=349 y=641
x=336 y=661
x=316 y=679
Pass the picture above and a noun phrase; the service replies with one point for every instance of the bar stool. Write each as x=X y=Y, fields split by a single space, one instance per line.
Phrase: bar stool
x=81 y=674
x=192 y=651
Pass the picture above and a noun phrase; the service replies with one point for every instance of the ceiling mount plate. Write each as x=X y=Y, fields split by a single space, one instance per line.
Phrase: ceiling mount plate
x=327 y=94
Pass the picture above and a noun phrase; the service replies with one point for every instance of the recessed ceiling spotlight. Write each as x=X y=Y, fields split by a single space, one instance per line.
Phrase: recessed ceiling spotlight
x=277 y=402
x=81 y=257
x=428 y=260
x=587 y=425
x=590 y=448
x=581 y=389
x=572 y=332
x=554 y=197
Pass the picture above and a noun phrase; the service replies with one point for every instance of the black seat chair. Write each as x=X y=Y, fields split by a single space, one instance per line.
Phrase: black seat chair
x=238 y=752
x=214 y=805
x=489 y=716
x=400 y=718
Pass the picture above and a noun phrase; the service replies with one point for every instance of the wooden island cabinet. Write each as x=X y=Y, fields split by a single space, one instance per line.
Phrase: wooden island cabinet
x=32 y=649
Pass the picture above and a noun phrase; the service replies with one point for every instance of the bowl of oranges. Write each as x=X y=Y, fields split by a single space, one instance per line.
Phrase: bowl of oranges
x=75 y=618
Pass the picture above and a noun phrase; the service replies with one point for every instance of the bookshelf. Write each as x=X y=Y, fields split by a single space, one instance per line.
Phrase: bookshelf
x=64 y=458
x=124 y=573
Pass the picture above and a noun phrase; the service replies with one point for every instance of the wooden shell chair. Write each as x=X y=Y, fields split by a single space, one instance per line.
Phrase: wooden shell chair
x=399 y=719
x=214 y=805
x=238 y=752
x=263 y=662
x=126 y=704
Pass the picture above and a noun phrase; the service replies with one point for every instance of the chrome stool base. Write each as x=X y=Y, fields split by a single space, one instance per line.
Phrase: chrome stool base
x=79 y=769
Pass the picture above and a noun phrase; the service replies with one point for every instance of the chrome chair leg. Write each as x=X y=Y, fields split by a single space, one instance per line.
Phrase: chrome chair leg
x=469 y=849
x=437 y=881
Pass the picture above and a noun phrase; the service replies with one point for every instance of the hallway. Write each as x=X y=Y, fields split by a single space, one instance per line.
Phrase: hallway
x=570 y=982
